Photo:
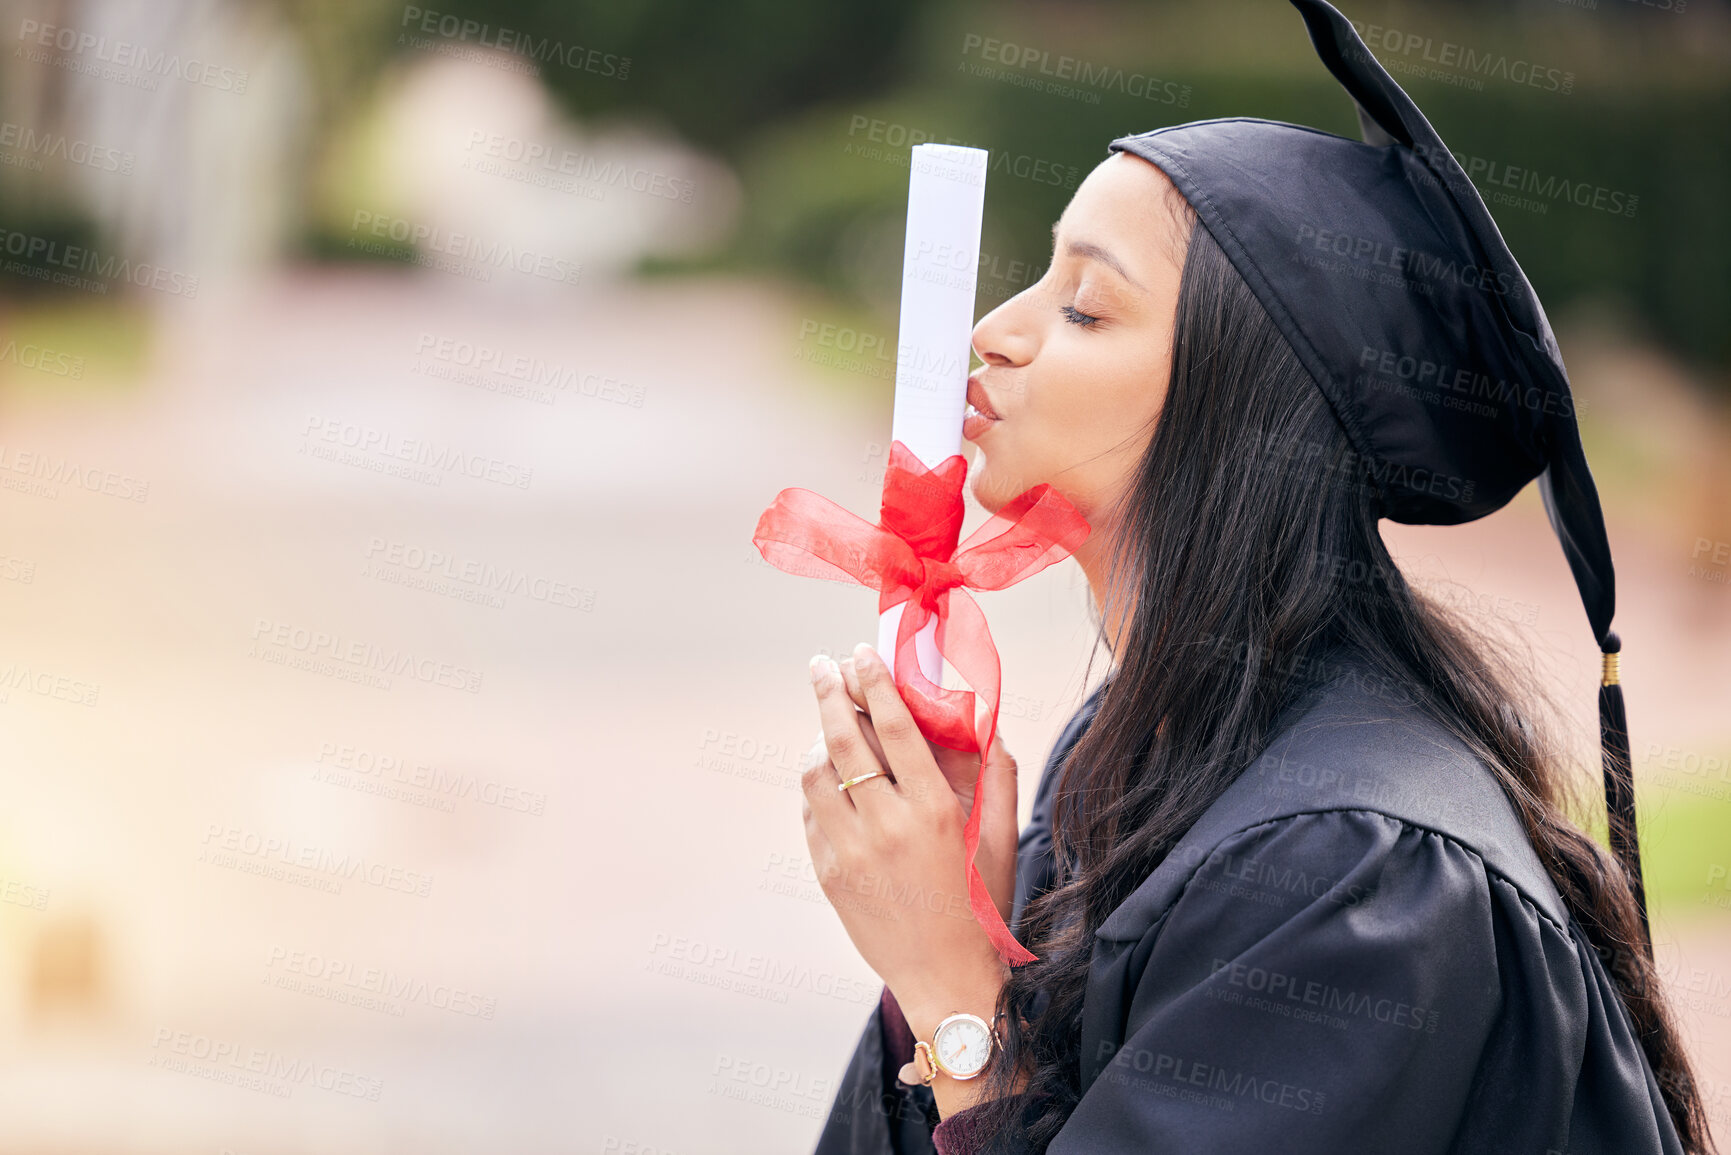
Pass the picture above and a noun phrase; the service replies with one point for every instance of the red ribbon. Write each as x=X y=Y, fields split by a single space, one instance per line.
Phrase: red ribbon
x=911 y=556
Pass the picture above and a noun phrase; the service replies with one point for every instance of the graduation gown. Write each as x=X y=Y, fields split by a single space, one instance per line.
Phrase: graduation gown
x=1355 y=949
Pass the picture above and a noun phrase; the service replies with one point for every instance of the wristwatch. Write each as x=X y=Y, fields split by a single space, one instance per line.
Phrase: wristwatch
x=960 y=1048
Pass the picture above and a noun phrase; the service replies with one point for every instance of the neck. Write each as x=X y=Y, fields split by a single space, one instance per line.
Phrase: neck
x=1094 y=556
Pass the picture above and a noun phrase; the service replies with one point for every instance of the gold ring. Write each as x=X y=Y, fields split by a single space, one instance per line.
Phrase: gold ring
x=851 y=782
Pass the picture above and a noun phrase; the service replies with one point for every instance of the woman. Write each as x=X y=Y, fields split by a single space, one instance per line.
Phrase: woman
x=1300 y=876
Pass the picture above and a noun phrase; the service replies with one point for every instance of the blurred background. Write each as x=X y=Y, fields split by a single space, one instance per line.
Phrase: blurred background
x=398 y=730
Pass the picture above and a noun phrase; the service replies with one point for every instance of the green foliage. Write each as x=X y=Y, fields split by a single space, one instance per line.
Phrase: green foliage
x=1685 y=828
x=1655 y=244
x=81 y=341
x=716 y=73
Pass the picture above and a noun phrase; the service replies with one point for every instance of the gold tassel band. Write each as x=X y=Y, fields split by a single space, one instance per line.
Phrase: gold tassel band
x=1610 y=676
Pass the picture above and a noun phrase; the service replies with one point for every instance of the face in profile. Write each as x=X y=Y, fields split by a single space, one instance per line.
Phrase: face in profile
x=1076 y=365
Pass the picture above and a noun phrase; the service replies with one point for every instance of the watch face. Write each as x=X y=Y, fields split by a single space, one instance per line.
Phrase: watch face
x=962 y=1044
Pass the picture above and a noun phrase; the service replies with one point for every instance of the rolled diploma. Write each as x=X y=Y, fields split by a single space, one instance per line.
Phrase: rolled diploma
x=940 y=264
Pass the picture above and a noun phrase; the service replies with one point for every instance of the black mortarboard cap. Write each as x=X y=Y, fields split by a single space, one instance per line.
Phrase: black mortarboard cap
x=1382 y=267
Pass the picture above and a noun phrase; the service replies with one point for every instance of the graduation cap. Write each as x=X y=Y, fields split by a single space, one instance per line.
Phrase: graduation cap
x=1381 y=266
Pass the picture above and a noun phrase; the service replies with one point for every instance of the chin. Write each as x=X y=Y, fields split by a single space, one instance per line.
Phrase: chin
x=983 y=484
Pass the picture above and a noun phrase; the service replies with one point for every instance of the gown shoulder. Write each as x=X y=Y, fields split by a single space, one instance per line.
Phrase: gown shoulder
x=1344 y=981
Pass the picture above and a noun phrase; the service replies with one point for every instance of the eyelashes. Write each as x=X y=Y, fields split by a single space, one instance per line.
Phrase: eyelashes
x=1076 y=317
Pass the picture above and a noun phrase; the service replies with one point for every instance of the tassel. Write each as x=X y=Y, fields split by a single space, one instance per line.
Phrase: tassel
x=1620 y=782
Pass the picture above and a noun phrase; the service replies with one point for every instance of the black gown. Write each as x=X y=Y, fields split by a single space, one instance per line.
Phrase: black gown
x=1355 y=949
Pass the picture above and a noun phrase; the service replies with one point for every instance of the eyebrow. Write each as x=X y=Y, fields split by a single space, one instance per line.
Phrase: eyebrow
x=1088 y=250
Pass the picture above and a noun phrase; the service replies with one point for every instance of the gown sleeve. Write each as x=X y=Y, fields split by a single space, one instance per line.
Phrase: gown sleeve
x=872 y=1112
x=1324 y=984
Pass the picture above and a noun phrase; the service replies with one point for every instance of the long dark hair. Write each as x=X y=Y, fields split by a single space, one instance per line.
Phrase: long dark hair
x=1250 y=529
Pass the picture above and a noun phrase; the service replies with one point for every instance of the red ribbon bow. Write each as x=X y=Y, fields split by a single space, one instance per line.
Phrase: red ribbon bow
x=911 y=556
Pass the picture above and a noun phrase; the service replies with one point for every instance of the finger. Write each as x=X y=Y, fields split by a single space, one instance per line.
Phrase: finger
x=819 y=751
x=829 y=807
x=850 y=679
x=904 y=745
x=816 y=841
x=959 y=768
x=849 y=751
x=870 y=732
x=816 y=755
x=821 y=854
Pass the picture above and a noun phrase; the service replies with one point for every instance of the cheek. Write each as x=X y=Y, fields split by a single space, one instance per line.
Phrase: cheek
x=1098 y=432
x=1082 y=428
x=1102 y=406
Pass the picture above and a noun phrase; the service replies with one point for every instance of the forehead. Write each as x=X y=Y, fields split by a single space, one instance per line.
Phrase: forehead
x=1127 y=204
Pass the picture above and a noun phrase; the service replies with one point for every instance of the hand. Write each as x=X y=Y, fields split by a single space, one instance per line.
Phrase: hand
x=889 y=852
x=996 y=857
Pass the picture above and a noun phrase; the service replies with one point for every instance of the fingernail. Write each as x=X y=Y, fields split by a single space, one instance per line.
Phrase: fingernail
x=819 y=668
x=864 y=658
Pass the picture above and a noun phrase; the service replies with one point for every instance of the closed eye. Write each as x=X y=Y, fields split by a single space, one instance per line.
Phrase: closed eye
x=1076 y=317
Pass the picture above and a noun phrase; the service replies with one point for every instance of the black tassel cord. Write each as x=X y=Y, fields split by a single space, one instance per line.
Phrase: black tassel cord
x=1620 y=782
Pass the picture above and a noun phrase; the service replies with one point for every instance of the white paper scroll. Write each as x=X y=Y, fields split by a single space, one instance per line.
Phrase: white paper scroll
x=940 y=263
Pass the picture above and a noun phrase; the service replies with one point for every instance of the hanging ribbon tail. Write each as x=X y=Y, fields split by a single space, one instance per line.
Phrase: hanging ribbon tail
x=965 y=642
x=1620 y=785
x=979 y=666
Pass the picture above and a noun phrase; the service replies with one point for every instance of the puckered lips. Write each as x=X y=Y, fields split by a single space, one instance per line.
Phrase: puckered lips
x=979 y=416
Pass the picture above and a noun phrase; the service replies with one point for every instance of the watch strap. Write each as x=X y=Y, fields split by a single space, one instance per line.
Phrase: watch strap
x=925 y=1062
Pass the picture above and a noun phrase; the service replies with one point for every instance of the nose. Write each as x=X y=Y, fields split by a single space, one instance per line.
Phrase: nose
x=995 y=340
